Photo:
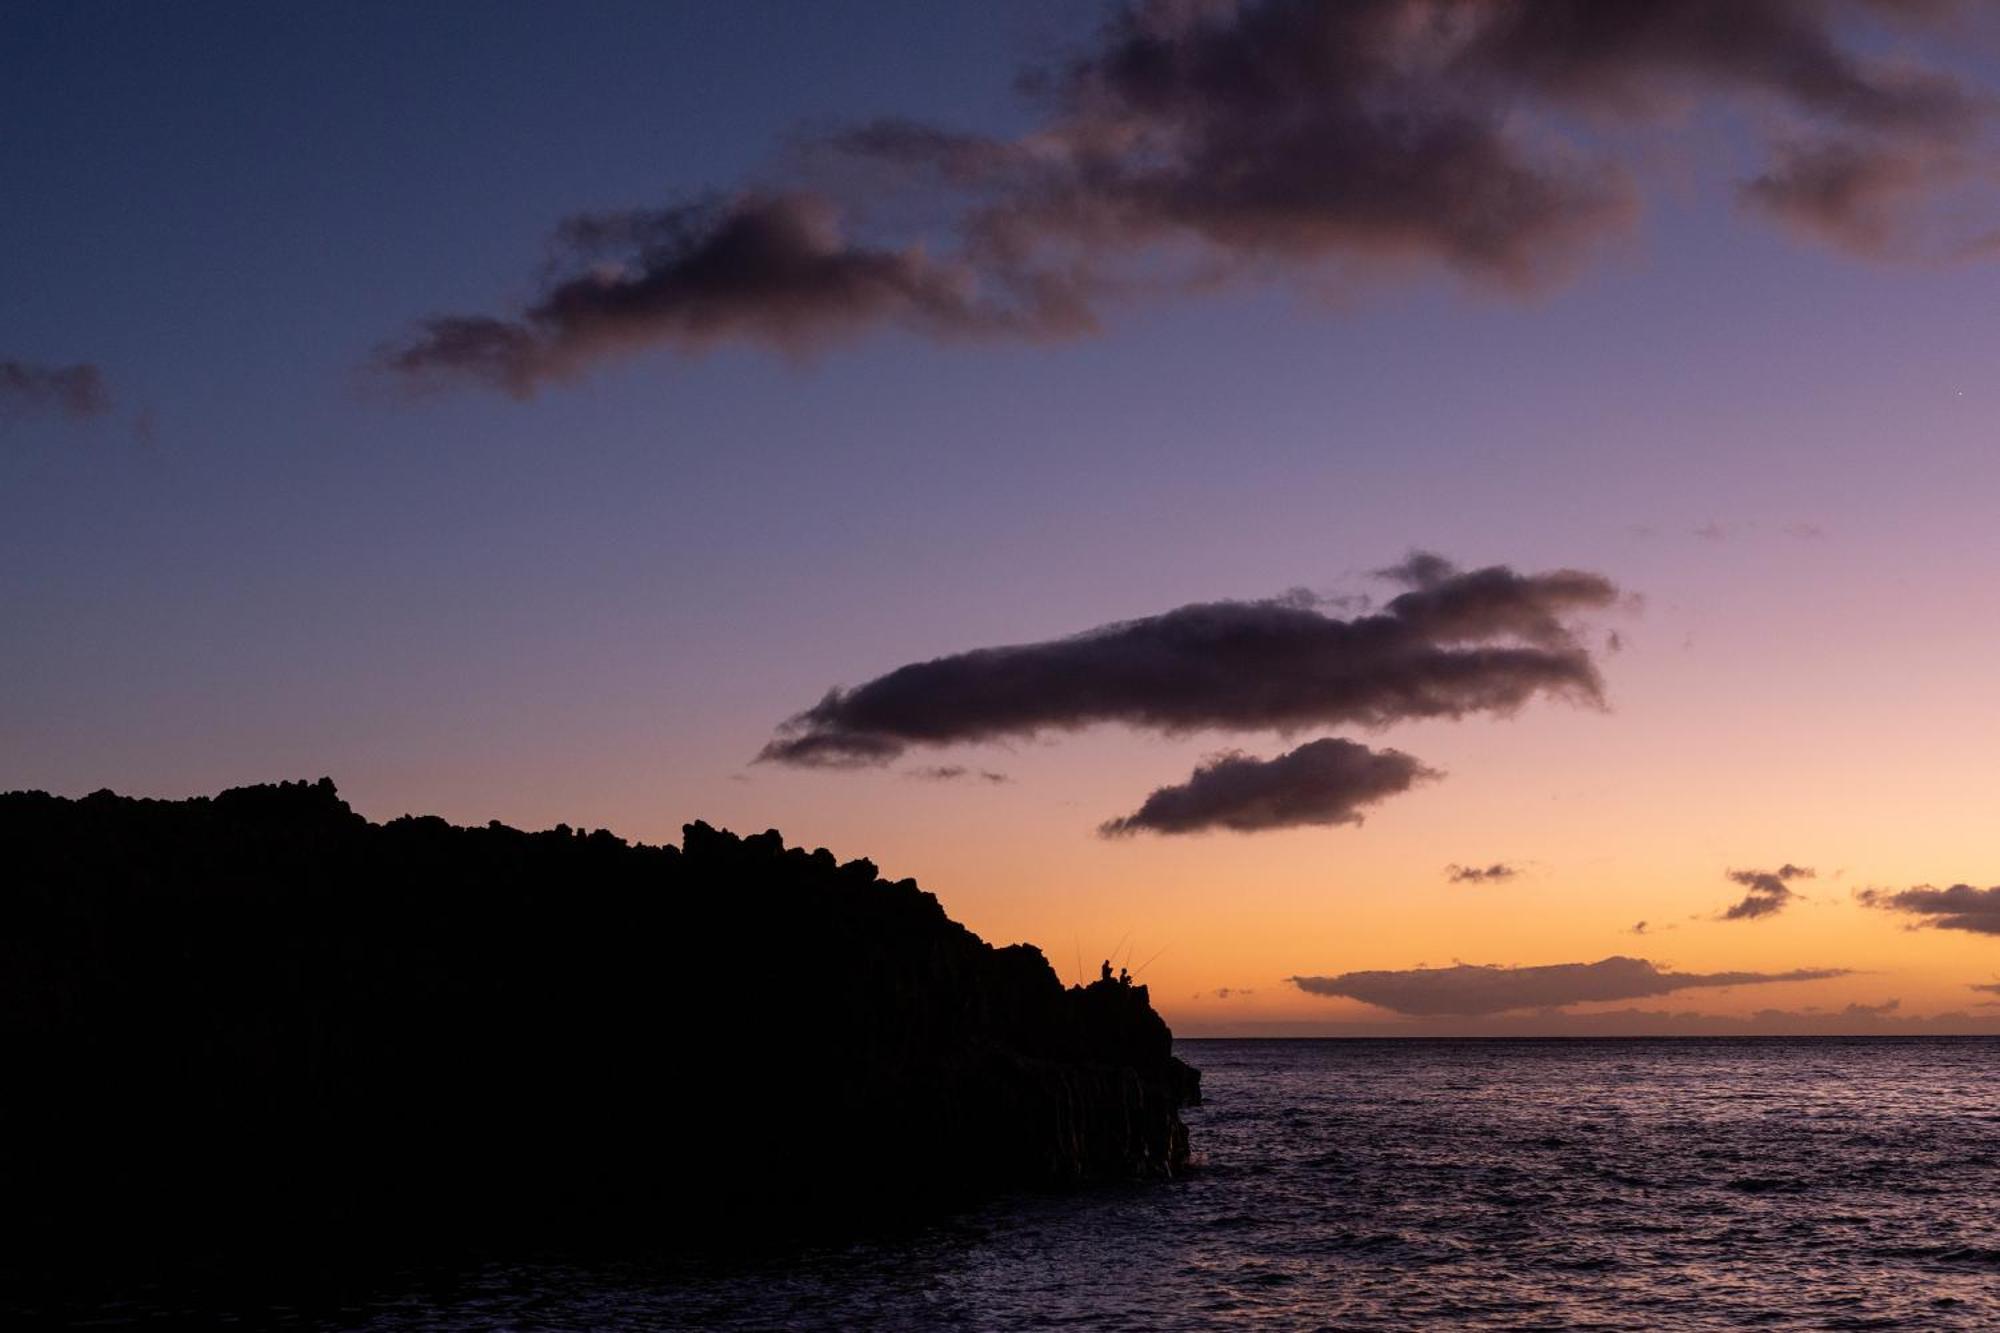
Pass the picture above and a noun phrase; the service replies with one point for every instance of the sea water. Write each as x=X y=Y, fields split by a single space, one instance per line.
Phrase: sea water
x=1815 y=1183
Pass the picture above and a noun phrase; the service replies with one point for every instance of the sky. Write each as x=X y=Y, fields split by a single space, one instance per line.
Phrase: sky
x=1524 y=479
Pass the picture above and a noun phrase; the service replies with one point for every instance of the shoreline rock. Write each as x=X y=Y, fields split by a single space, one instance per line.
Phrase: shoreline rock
x=259 y=1018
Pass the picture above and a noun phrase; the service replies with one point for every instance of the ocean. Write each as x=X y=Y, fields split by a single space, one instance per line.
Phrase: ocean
x=1816 y=1183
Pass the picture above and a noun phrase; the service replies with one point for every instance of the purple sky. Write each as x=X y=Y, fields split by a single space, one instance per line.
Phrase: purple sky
x=256 y=522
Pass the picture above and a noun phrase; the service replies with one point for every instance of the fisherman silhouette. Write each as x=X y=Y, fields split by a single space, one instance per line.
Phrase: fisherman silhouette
x=1124 y=977
x=1105 y=975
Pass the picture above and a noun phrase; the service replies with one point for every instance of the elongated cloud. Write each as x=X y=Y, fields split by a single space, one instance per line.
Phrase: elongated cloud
x=772 y=269
x=956 y=773
x=1468 y=989
x=1851 y=1020
x=1493 y=874
x=1766 y=892
x=72 y=391
x=1322 y=782
x=1190 y=142
x=1480 y=641
x=1960 y=907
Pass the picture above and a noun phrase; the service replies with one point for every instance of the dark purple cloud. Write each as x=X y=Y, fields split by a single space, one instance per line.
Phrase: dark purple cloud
x=1852 y=196
x=1467 y=989
x=73 y=391
x=1766 y=892
x=1640 y=57
x=956 y=773
x=1492 y=874
x=1321 y=783
x=1856 y=1019
x=1480 y=641
x=1188 y=142
x=1960 y=907
x=776 y=269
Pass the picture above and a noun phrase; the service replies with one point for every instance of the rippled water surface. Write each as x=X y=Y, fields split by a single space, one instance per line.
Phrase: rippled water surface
x=1809 y=1184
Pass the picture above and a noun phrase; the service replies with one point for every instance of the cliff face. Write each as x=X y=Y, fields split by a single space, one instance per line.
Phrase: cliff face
x=261 y=1012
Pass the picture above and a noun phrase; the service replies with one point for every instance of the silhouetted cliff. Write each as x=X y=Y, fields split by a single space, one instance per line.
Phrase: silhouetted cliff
x=260 y=1013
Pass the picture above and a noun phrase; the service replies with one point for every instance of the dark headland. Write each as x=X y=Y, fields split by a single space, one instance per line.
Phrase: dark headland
x=260 y=1019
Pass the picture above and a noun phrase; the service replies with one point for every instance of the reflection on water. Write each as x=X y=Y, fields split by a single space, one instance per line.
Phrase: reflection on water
x=1809 y=1184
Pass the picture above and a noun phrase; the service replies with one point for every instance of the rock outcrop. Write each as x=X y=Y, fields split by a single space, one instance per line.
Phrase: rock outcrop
x=260 y=1015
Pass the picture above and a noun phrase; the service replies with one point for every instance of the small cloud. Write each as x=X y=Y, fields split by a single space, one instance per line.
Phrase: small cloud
x=955 y=773
x=76 y=391
x=1636 y=928
x=1767 y=892
x=1491 y=874
x=1960 y=907
x=1848 y=195
x=1805 y=532
x=1323 y=782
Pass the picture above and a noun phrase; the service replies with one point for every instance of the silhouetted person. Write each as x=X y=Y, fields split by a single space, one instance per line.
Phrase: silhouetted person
x=1124 y=977
x=1106 y=973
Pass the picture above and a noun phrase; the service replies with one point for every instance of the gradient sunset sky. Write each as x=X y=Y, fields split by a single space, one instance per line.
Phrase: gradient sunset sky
x=521 y=412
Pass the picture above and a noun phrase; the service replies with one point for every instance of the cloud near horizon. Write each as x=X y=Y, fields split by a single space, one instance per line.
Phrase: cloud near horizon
x=1323 y=782
x=1960 y=907
x=1187 y=143
x=76 y=391
x=1478 y=989
x=1766 y=892
x=1885 y=1019
x=1491 y=874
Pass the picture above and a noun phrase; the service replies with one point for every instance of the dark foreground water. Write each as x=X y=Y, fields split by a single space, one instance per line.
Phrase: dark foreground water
x=1781 y=1184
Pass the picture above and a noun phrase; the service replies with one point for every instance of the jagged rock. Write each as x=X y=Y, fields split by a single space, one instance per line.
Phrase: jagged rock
x=262 y=1015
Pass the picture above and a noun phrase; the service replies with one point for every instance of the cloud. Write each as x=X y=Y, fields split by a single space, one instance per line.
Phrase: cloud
x=1190 y=142
x=1636 y=928
x=1852 y=1020
x=1323 y=782
x=956 y=773
x=1960 y=907
x=76 y=391
x=1481 y=641
x=1468 y=989
x=1635 y=59
x=1439 y=131
x=776 y=269
x=1846 y=195
x=1492 y=874
x=1767 y=892
x=1988 y=987
x=1224 y=993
